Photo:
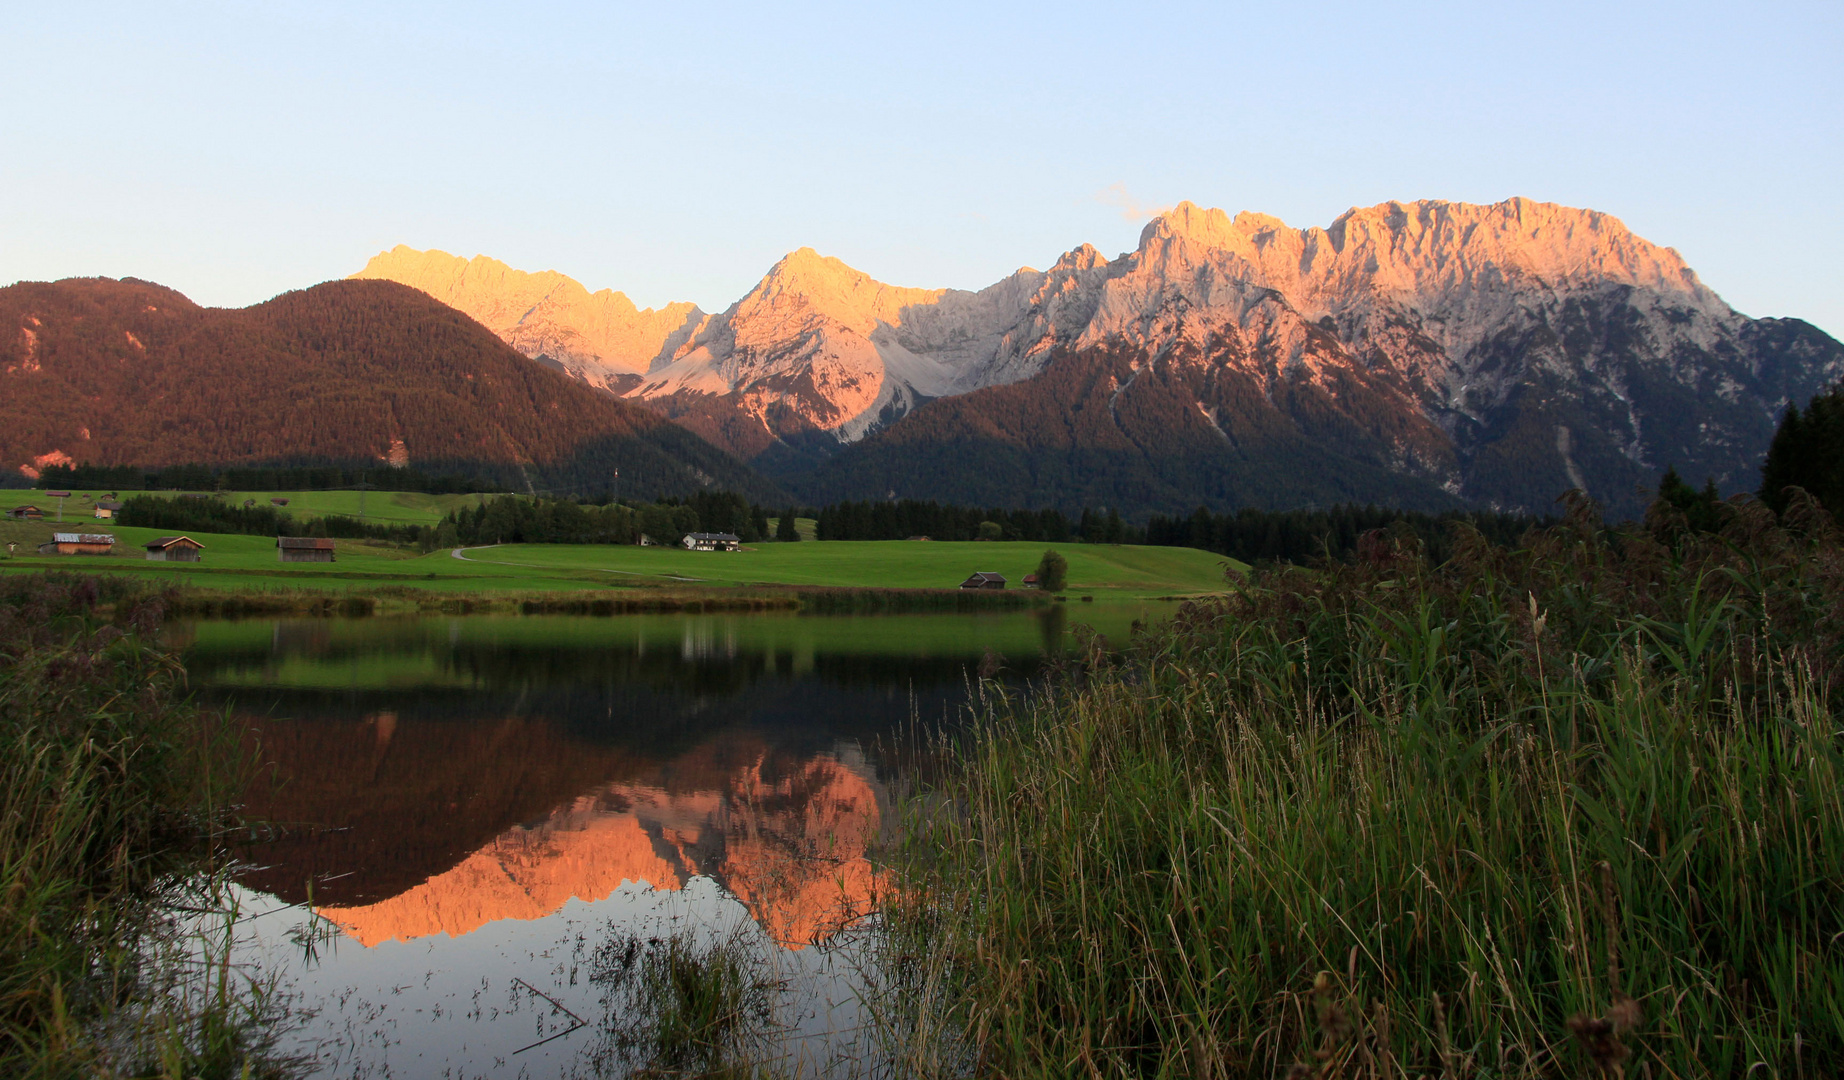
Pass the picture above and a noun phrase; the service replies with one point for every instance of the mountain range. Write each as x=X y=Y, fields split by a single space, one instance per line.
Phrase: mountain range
x=1425 y=354
x=125 y=372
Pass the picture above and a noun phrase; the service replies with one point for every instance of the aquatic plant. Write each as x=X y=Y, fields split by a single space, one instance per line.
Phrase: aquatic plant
x=684 y=1004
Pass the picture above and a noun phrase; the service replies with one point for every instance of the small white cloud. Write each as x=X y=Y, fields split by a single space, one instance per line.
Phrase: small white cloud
x=1131 y=209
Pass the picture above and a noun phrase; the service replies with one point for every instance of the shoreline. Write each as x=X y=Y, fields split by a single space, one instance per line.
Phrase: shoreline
x=195 y=602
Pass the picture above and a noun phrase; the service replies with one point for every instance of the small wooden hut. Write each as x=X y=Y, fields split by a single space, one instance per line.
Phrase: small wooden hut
x=106 y=509
x=173 y=549
x=985 y=579
x=304 y=549
x=78 y=544
x=26 y=512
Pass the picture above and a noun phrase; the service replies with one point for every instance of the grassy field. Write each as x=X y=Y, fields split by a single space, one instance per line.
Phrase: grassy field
x=247 y=563
x=1097 y=569
x=379 y=507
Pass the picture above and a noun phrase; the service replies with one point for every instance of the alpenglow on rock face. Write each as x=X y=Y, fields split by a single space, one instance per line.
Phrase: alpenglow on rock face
x=1420 y=353
x=600 y=338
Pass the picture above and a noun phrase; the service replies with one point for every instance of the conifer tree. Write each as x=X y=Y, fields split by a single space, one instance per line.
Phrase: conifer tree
x=1808 y=452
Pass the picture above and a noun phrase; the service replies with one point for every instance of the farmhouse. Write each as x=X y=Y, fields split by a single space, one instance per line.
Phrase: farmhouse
x=106 y=508
x=173 y=549
x=712 y=542
x=27 y=512
x=304 y=549
x=78 y=544
x=985 y=579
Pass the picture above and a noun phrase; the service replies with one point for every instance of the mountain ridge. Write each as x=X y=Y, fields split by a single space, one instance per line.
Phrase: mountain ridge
x=110 y=372
x=1495 y=353
x=602 y=338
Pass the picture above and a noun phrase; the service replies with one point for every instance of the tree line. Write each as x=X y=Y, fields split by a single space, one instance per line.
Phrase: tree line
x=256 y=478
x=214 y=515
x=1299 y=535
x=1808 y=452
x=512 y=519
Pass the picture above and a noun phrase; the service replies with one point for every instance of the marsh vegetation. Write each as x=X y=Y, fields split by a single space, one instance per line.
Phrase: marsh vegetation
x=1572 y=808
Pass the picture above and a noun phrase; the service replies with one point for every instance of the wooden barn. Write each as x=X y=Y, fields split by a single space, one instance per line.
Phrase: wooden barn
x=985 y=579
x=304 y=549
x=173 y=549
x=713 y=542
x=78 y=544
x=106 y=509
x=26 y=512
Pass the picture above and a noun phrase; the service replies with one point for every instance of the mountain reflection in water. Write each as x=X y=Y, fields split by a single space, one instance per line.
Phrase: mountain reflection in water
x=479 y=803
x=786 y=837
x=430 y=776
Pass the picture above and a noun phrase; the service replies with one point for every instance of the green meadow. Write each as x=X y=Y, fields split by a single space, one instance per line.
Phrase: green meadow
x=378 y=507
x=1112 y=570
x=247 y=563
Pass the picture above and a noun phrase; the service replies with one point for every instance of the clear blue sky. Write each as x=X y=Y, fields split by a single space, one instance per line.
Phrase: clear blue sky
x=674 y=151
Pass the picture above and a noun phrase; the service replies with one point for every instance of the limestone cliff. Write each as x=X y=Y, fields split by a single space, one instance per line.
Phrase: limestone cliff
x=1423 y=353
x=600 y=337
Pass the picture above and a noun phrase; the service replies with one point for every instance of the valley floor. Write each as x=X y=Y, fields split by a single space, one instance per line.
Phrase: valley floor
x=249 y=563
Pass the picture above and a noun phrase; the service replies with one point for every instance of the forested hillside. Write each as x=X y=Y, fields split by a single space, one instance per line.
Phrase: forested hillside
x=1102 y=428
x=350 y=372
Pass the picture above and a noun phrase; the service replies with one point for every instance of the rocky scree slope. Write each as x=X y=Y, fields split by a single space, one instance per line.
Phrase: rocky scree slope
x=130 y=373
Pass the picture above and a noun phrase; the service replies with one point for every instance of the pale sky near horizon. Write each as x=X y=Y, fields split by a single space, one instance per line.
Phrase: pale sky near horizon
x=674 y=152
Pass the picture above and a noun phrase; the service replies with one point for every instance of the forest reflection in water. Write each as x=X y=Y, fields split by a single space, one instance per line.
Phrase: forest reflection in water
x=467 y=800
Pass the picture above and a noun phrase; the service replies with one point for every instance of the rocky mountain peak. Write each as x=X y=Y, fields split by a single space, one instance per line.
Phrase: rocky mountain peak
x=600 y=337
x=1083 y=257
x=825 y=285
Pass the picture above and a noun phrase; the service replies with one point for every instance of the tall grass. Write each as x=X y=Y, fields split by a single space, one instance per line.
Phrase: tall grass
x=1569 y=809
x=110 y=793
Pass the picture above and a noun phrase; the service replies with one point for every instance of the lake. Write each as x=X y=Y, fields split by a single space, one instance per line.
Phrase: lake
x=472 y=823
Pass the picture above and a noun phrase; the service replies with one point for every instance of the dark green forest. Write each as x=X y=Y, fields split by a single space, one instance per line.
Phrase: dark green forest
x=251 y=478
x=348 y=374
x=1337 y=533
x=1808 y=452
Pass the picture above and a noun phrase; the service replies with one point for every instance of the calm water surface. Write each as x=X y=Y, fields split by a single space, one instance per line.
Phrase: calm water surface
x=471 y=814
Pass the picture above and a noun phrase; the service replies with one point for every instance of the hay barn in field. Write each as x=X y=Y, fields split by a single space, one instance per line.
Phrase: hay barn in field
x=985 y=579
x=304 y=549
x=173 y=549
x=78 y=544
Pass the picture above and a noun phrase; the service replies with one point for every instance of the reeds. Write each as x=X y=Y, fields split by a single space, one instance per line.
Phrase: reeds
x=683 y=1005
x=110 y=793
x=1569 y=810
